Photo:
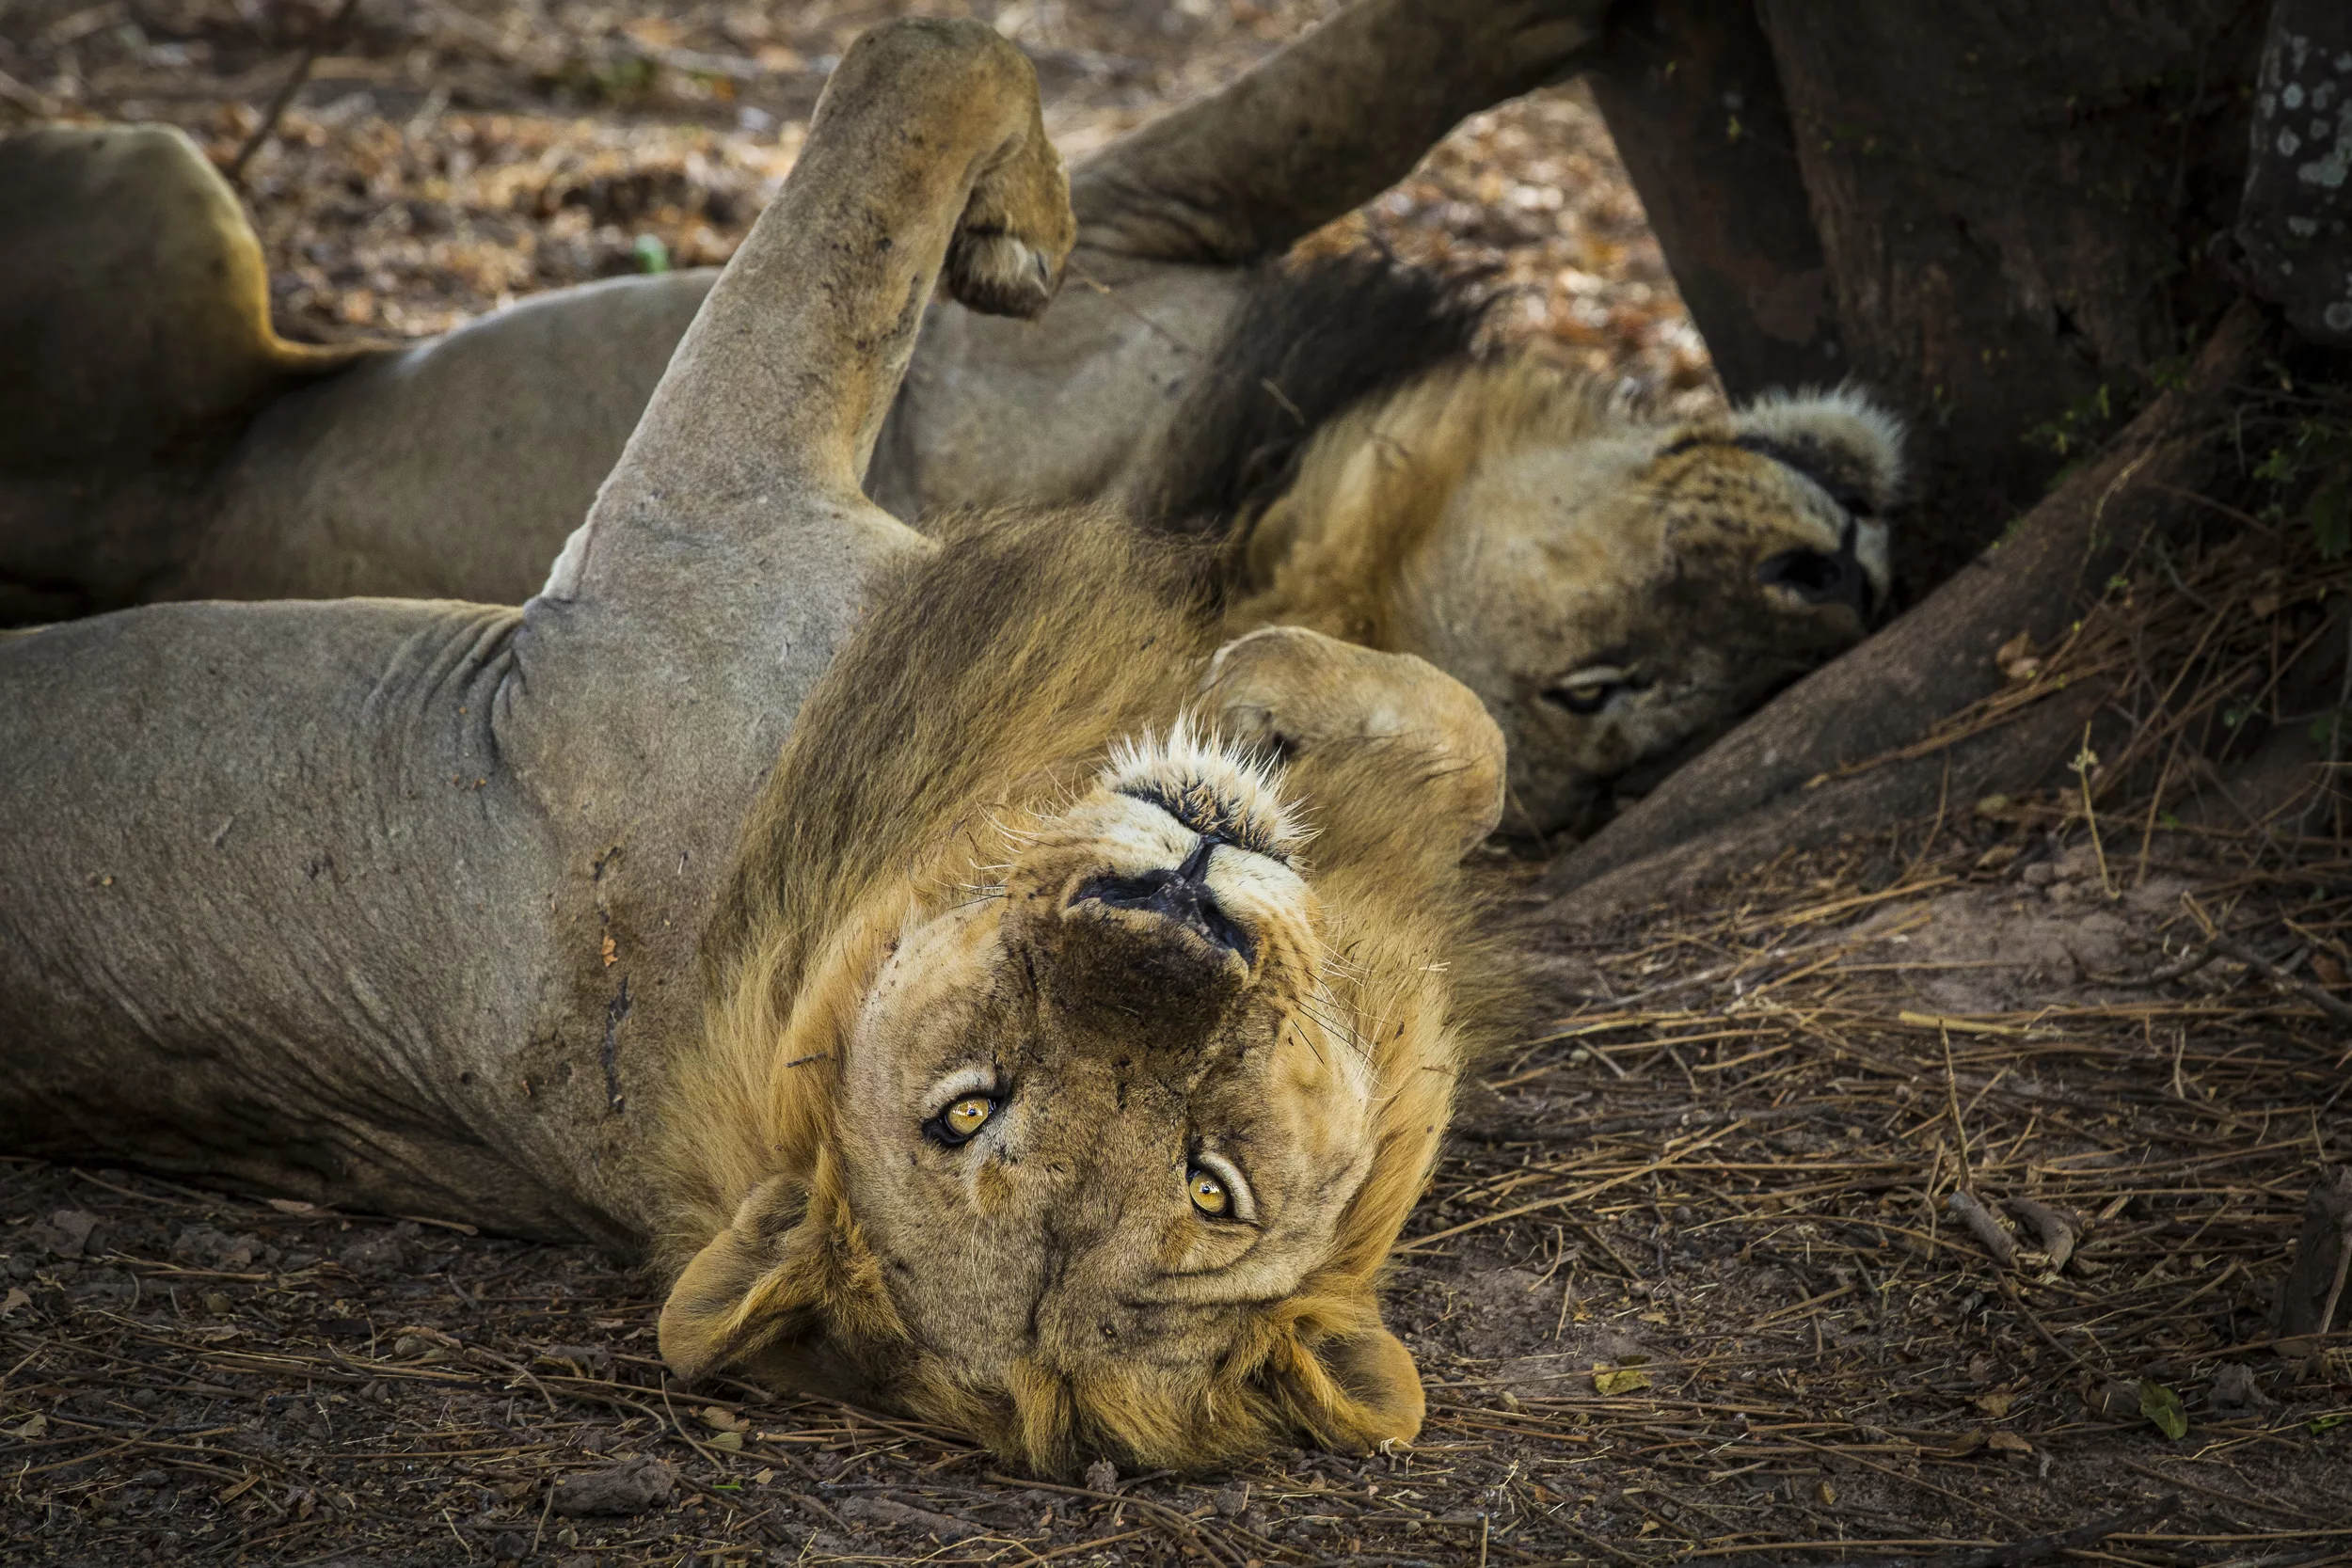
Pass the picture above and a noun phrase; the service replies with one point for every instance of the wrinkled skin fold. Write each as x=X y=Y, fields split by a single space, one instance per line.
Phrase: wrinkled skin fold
x=1084 y=990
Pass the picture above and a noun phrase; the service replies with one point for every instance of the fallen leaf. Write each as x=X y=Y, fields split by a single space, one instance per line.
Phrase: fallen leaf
x=2016 y=659
x=2008 y=1442
x=1996 y=1405
x=731 y=1441
x=611 y=952
x=292 y=1206
x=2164 y=1409
x=17 y=1298
x=1823 y=1492
x=761 y=1478
x=33 y=1427
x=1619 y=1380
x=719 y=1418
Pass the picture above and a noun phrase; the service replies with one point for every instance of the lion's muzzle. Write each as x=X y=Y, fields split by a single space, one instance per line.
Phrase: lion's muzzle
x=1179 y=895
x=1153 y=956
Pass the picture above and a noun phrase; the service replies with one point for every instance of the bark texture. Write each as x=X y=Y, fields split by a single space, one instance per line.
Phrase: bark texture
x=1695 y=108
x=2295 y=225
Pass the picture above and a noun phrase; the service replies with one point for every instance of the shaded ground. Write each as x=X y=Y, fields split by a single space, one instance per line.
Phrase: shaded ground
x=1690 y=1286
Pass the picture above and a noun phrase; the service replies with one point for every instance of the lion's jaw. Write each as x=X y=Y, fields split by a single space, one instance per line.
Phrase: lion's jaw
x=1144 y=1001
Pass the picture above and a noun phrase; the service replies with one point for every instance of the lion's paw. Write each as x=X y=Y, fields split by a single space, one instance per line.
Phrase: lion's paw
x=999 y=274
x=1304 y=697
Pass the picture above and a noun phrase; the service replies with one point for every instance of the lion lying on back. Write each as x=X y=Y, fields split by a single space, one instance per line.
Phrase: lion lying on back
x=1086 y=1124
x=1614 y=607
x=1086 y=991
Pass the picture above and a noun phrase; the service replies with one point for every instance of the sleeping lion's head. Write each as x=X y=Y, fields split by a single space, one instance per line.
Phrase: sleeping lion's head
x=1089 y=1136
x=1619 y=590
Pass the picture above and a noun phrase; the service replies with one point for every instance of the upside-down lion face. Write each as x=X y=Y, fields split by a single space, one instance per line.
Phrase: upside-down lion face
x=1618 y=604
x=1088 y=1120
x=1096 y=1138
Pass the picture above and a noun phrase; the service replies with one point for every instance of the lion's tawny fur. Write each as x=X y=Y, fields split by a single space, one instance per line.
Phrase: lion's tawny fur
x=1375 y=482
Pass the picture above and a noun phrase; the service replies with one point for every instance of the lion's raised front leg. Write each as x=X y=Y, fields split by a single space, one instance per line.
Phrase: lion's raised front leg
x=1323 y=126
x=731 y=550
x=1385 y=751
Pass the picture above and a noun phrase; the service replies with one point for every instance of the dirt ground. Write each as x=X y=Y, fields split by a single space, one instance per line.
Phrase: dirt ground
x=1690 y=1286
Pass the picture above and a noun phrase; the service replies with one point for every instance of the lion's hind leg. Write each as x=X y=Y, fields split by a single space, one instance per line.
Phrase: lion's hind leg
x=135 y=325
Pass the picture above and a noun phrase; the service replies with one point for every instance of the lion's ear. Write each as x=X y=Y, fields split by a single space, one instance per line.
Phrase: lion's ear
x=789 y=1270
x=1354 y=1391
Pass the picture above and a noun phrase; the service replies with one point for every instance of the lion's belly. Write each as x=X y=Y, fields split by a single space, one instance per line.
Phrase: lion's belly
x=1064 y=409
x=268 y=914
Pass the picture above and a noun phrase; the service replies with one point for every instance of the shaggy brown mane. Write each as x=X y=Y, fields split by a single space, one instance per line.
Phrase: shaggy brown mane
x=1313 y=337
x=989 y=676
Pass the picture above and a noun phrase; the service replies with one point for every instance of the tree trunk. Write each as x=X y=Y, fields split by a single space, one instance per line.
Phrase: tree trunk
x=1691 y=98
x=2029 y=219
x=2295 y=224
x=2015 y=204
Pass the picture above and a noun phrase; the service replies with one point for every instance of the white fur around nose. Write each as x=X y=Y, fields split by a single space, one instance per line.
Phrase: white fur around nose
x=1188 y=756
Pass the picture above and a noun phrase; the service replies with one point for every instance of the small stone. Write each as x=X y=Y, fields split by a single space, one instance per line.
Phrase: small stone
x=2235 y=1388
x=67 y=1232
x=2113 y=1399
x=1231 y=1501
x=1101 y=1476
x=507 y=1547
x=631 y=1486
x=2040 y=874
x=386 y=1253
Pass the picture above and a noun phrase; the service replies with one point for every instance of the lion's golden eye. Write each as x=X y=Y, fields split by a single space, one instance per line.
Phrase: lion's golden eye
x=1208 y=1192
x=956 y=1122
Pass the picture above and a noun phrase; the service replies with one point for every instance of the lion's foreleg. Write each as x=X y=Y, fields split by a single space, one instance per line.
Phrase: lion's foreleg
x=927 y=151
x=1323 y=126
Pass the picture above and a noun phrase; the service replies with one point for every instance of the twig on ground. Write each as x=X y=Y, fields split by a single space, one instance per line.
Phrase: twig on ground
x=330 y=31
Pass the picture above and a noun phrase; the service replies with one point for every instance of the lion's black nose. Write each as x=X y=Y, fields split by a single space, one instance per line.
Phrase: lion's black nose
x=1817 y=577
x=1181 y=895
